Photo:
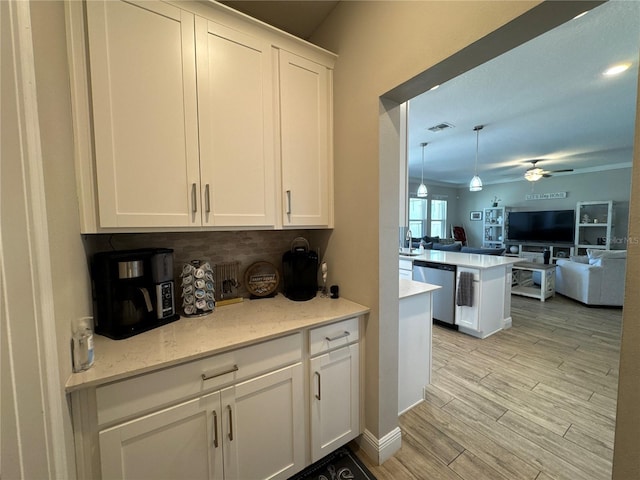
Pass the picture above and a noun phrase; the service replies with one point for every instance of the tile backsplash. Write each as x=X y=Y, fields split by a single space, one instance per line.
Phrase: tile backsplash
x=245 y=247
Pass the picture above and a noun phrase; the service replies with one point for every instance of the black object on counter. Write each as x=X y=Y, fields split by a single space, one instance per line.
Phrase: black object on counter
x=335 y=291
x=546 y=255
x=300 y=271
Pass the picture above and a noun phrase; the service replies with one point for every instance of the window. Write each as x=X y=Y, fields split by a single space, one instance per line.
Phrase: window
x=418 y=217
x=428 y=216
x=438 y=218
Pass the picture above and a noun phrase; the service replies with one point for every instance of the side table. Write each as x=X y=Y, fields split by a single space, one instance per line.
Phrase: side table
x=523 y=282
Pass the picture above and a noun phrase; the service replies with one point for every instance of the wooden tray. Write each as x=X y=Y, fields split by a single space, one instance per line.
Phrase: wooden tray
x=262 y=279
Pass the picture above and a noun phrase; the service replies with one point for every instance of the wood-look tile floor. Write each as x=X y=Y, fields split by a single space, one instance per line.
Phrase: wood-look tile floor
x=537 y=401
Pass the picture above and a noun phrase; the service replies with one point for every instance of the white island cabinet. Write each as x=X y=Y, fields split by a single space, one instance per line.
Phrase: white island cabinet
x=225 y=399
x=490 y=309
x=414 y=342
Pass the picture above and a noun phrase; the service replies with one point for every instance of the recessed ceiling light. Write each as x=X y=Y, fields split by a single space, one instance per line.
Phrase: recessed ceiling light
x=434 y=87
x=581 y=14
x=616 y=69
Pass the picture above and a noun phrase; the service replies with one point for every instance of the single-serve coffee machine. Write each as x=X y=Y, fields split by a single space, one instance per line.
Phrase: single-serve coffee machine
x=133 y=291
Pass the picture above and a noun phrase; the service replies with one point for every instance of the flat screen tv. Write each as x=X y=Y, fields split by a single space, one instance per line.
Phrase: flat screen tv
x=547 y=226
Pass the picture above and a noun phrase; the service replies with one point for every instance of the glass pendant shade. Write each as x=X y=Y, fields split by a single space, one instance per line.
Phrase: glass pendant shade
x=422 y=189
x=475 y=185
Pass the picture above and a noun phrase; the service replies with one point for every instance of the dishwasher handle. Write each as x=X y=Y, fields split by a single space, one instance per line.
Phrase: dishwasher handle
x=437 y=266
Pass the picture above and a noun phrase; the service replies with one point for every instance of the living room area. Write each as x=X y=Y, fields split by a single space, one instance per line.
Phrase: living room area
x=537 y=400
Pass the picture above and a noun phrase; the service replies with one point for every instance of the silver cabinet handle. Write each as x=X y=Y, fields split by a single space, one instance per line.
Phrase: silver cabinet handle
x=210 y=375
x=288 y=202
x=207 y=199
x=319 y=394
x=194 y=199
x=230 y=423
x=215 y=429
x=340 y=335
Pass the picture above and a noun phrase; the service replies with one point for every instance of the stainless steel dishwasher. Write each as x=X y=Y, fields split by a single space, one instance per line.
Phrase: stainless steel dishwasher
x=444 y=275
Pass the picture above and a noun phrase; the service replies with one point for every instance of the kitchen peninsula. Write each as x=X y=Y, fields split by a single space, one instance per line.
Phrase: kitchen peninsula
x=490 y=305
x=202 y=383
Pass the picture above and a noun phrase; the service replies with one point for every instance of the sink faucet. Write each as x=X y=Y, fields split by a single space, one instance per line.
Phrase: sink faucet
x=408 y=238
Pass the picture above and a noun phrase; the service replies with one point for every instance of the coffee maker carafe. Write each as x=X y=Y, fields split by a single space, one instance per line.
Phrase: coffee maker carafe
x=133 y=291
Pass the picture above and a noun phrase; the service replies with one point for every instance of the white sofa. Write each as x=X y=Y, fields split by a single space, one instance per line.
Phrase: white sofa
x=594 y=279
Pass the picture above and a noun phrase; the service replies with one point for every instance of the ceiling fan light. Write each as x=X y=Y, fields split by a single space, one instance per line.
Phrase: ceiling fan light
x=422 y=191
x=475 y=185
x=533 y=174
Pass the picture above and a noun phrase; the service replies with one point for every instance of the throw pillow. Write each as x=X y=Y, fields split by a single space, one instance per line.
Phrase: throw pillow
x=454 y=247
x=595 y=255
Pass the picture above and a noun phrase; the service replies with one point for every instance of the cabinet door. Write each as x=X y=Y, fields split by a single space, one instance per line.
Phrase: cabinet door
x=335 y=399
x=305 y=141
x=178 y=442
x=145 y=114
x=469 y=316
x=235 y=109
x=263 y=426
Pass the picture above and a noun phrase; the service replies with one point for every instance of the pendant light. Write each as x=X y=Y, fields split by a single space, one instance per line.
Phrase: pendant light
x=475 y=185
x=422 y=189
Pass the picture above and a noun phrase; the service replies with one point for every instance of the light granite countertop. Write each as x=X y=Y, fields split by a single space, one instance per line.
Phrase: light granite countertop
x=470 y=260
x=409 y=288
x=190 y=338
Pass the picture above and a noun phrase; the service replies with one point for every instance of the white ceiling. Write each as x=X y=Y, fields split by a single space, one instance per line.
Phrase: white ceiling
x=546 y=99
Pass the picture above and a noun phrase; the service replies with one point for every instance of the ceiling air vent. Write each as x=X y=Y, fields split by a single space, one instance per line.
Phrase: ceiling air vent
x=440 y=127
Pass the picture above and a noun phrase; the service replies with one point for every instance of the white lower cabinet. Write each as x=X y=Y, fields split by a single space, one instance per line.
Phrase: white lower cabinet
x=237 y=415
x=145 y=448
x=226 y=435
x=335 y=388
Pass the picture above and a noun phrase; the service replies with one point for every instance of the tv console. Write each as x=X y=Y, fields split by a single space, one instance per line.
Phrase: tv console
x=534 y=252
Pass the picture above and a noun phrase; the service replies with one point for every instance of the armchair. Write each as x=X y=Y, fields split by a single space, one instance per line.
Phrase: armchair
x=597 y=278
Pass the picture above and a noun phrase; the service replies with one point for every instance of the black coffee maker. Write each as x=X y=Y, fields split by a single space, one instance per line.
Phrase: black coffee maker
x=133 y=291
x=300 y=271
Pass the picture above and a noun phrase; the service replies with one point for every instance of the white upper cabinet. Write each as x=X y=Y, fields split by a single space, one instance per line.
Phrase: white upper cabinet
x=197 y=119
x=235 y=109
x=305 y=106
x=145 y=114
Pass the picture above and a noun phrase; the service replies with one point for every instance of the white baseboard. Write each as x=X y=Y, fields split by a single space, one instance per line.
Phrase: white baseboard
x=379 y=450
x=507 y=322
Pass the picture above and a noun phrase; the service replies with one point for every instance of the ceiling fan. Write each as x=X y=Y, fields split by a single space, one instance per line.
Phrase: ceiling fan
x=535 y=173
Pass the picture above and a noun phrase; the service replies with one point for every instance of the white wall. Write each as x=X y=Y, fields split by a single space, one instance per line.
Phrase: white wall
x=606 y=185
x=380 y=46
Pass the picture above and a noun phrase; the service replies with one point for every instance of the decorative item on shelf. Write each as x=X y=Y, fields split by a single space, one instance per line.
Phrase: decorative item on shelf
x=586 y=218
x=476 y=184
x=499 y=219
x=494 y=202
x=513 y=249
x=422 y=189
x=198 y=288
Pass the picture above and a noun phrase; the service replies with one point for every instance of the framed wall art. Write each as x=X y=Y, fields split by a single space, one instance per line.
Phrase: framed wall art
x=477 y=215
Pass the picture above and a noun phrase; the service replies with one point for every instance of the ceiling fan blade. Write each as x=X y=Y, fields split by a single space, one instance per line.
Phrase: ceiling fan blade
x=563 y=170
